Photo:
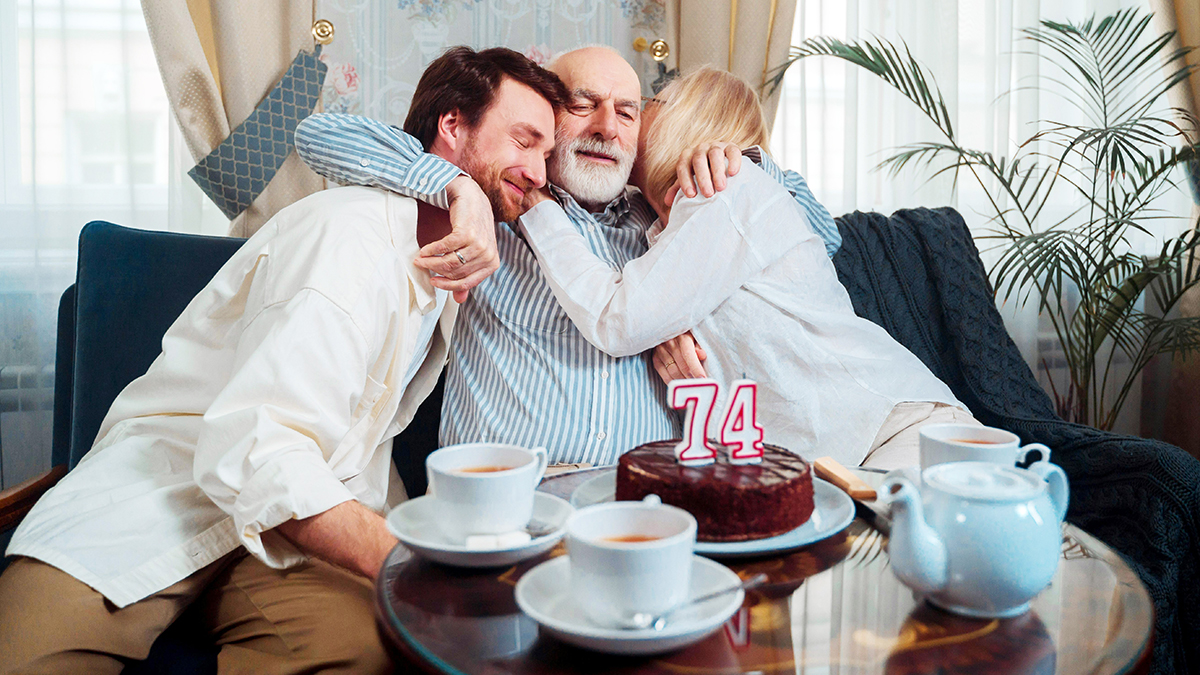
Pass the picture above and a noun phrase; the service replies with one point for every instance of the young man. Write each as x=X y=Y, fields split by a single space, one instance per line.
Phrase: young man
x=248 y=468
x=519 y=370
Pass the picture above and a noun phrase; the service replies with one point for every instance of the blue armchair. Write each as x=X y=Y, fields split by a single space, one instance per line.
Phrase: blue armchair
x=130 y=287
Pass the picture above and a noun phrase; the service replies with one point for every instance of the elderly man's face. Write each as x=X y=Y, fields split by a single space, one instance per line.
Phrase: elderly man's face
x=596 y=136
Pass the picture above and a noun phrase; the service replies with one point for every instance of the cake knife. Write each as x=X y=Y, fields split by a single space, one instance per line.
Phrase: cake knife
x=864 y=496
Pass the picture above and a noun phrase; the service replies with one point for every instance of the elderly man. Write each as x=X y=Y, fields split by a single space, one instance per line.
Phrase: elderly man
x=519 y=371
x=247 y=469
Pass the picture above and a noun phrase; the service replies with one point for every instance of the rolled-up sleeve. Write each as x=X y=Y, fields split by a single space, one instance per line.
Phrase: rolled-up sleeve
x=355 y=150
x=266 y=450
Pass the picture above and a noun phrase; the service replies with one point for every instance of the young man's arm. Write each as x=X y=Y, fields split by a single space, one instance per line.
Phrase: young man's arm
x=271 y=450
x=348 y=535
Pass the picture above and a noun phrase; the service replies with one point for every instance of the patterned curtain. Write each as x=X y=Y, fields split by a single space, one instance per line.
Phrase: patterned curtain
x=222 y=62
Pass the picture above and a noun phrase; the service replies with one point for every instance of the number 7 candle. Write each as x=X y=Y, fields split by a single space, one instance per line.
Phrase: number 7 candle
x=699 y=396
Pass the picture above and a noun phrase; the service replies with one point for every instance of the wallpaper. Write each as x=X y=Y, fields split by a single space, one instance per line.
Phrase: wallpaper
x=380 y=48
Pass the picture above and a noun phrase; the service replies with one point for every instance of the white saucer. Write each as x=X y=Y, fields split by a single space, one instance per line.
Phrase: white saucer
x=544 y=594
x=412 y=523
x=833 y=510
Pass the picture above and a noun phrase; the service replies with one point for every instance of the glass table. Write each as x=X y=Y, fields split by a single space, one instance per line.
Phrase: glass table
x=832 y=607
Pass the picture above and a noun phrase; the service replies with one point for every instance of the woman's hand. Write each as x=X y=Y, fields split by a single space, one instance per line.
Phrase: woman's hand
x=536 y=196
x=705 y=167
x=679 y=359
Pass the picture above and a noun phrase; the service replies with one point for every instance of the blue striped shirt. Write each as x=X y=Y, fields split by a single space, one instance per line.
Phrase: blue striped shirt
x=519 y=371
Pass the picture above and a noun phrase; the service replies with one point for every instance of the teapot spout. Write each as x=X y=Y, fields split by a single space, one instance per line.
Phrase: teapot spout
x=917 y=554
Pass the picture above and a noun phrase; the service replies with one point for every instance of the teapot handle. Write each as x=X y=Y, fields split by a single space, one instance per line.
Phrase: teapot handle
x=1056 y=484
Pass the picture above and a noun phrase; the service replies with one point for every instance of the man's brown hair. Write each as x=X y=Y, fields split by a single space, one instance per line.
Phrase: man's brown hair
x=465 y=80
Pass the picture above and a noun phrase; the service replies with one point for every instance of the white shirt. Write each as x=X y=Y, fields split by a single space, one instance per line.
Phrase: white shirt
x=276 y=396
x=746 y=274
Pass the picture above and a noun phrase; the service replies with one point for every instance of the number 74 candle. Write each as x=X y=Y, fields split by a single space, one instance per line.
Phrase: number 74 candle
x=740 y=430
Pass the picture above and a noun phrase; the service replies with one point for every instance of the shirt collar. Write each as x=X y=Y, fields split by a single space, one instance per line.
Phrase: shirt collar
x=402 y=216
x=612 y=216
x=654 y=232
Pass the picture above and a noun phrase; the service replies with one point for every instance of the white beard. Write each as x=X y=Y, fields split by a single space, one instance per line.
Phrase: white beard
x=588 y=182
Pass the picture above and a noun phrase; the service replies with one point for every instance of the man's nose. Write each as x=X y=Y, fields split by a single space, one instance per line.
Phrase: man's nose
x=535 y=172
x=604 y=122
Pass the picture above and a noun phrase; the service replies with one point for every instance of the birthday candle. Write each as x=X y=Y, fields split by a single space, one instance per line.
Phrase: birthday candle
x=740 y=431
x=699 y=396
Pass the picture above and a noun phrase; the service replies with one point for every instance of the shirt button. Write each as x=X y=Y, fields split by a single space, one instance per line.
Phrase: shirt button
x=364 y=162
x=591 y=228
x=601 y=436
x=604 y=374
x=423 y=181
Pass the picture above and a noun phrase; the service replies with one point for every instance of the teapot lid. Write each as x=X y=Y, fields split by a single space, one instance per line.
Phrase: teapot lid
x=984 y=481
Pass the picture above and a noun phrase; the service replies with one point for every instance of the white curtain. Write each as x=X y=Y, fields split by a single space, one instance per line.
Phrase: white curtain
x=84 y=128
x=836 y=122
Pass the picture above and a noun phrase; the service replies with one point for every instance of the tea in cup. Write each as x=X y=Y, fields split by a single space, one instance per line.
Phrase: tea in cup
x=628 y=558
x=483 y=488
x=941 y=443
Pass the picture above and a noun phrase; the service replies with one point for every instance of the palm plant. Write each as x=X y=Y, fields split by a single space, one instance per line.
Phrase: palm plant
x=1081 y=268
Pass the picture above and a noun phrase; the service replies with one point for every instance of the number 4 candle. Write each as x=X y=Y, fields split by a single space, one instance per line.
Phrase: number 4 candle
x=740 y=431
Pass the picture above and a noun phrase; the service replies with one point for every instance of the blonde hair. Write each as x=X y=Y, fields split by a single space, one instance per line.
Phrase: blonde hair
x=704 y=106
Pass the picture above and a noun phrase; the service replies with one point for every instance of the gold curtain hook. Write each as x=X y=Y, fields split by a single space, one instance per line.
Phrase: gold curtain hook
x=322 y=31
x=659 y=50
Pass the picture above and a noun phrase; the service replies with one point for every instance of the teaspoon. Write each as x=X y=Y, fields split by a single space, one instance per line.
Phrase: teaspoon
x=644 y=620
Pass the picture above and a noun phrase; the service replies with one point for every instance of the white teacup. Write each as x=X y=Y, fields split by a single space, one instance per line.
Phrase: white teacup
x=941 y=443
x=630 y=557
x=483 y=488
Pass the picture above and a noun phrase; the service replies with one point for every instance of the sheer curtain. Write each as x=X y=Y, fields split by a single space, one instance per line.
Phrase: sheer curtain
x=836 y=122
x=84 y=128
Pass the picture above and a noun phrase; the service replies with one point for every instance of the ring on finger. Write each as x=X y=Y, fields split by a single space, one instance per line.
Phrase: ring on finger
x=668 y=364
x=460 y=257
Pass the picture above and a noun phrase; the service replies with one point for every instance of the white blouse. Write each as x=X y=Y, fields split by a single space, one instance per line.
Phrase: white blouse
x=747 y=275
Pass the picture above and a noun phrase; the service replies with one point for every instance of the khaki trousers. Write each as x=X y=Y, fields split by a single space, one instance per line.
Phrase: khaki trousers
x=898 y=443
x=311 y=618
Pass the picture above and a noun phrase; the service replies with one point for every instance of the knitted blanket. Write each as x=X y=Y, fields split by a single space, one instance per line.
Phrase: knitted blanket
x=918 y=275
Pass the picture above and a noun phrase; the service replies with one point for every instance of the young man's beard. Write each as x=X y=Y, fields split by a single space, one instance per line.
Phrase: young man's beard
x=506 y=206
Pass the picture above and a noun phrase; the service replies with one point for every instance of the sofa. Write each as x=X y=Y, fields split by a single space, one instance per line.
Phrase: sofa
x=918 y=275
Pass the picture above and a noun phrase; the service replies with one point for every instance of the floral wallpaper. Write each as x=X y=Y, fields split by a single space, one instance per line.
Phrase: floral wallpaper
x=381 y=47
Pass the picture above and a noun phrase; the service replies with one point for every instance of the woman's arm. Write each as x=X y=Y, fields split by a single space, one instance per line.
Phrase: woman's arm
x=711 y=247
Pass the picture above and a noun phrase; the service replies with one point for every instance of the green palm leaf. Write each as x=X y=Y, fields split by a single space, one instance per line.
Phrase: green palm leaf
x=1106 y=171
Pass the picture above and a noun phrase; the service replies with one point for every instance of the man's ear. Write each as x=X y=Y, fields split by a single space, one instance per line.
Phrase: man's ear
x=450 y=132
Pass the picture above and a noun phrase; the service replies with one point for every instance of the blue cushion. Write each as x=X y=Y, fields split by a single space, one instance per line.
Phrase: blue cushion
x=131 y=286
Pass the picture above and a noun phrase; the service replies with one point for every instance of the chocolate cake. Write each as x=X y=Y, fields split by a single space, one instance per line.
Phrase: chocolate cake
x=731 y=502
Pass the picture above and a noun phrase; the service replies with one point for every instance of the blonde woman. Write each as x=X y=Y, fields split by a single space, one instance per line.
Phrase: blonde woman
x=744 y=272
